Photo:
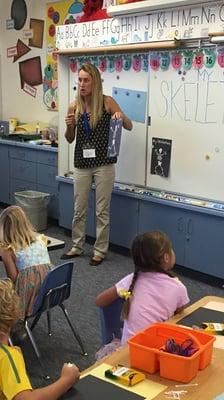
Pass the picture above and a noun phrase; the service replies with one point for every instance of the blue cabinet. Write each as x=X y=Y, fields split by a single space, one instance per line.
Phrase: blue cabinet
x=4 y=174
x=204 y=245
x=197 y=236
x=123 y=219
x=154 y=217
x=28 y=167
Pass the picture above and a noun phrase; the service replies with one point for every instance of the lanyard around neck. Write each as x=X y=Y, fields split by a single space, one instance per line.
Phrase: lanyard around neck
x=87 y=128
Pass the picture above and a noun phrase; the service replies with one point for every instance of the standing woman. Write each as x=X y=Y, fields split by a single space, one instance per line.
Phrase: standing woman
x=88 y=120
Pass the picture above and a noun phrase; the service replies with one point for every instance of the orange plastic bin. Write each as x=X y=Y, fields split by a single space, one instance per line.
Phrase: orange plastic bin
x=145 y=351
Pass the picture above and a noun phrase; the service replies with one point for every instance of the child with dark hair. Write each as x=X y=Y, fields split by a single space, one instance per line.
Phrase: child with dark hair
x=151 y=293
x=14 y=382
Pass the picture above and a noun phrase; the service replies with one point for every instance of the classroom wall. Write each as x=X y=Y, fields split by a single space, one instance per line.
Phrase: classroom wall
x=15 y=102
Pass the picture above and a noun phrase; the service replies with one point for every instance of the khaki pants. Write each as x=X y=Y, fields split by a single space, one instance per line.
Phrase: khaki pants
x=103 y=177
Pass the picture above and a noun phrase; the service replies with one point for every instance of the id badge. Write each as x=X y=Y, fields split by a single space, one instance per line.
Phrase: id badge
x=89 y=153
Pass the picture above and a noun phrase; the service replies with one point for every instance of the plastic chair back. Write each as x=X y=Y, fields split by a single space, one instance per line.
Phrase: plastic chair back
x=55 y=288
x=110 y=319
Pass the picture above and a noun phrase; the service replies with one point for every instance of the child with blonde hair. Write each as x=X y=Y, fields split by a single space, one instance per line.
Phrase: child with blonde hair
x=151 y=293
x=14 y=382
x=24 y=254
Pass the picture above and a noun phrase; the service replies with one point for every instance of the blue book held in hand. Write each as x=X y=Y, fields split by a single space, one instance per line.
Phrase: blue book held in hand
x=114 y=137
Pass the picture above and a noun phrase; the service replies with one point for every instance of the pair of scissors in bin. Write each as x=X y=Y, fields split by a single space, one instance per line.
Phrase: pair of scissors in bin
x=186 y=348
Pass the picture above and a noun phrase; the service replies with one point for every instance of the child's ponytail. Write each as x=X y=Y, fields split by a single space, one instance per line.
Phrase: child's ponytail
x=127 y=296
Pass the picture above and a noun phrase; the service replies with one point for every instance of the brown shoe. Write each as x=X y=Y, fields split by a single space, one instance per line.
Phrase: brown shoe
x=95 y=260
x=69 y=255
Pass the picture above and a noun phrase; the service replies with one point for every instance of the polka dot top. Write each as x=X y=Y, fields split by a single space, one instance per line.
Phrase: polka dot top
x=98 y=140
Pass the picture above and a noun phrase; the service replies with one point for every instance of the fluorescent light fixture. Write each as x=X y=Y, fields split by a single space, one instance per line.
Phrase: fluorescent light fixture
x=146 y=5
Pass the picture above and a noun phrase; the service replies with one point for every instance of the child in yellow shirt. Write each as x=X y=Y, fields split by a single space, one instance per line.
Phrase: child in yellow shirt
x=14 y=382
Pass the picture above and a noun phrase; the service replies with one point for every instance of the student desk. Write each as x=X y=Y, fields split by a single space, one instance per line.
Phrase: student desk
x=210 y=380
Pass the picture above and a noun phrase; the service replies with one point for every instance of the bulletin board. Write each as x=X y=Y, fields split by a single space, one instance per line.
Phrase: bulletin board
x=186 y=107
x=125 y=78
x=57 y=13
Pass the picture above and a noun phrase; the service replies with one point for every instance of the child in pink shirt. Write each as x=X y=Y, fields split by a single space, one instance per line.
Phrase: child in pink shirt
x=151 y=293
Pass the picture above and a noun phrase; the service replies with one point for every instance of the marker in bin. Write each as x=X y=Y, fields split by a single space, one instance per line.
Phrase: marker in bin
x=124 y=375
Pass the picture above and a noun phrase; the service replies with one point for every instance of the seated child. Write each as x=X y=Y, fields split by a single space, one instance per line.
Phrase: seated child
x=151 y=293
x=25 y=256
x=14 y=382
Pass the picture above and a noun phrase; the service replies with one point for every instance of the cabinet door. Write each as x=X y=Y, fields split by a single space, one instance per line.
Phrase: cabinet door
x=22 y=153
x=47 y=157
x=123 y=220
x=4 y=174
x=22 y=169
x=66 y=204
x=205 y=244
x=46 y=175
x=171 y=220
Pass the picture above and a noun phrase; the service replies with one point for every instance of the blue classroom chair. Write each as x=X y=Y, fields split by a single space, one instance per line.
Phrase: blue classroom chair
x=54 y=290
x=110 y=320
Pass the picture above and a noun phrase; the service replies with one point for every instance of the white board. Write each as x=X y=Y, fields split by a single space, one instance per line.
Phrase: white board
x=189 y=109
x=131 y=165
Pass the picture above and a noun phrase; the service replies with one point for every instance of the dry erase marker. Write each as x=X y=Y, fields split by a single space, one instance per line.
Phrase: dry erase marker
x=126 y=376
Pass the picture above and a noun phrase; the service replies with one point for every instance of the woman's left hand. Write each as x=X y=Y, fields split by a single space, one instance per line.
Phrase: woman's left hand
x=117 y=115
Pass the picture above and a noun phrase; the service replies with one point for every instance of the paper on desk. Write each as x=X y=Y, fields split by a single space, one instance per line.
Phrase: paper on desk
x=146 y=388
x=216 y=306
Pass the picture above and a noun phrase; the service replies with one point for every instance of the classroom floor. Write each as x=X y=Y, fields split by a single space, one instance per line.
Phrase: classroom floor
x=88 y=281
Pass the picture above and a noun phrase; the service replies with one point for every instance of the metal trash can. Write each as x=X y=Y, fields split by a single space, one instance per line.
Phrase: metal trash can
x=34 y=204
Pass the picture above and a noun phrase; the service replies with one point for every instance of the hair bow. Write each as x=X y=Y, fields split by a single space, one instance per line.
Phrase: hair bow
x=125 y=294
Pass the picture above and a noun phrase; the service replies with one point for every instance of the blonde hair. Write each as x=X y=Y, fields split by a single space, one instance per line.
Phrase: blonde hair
x=96 y=107
x=16 y=231
x=9 y=306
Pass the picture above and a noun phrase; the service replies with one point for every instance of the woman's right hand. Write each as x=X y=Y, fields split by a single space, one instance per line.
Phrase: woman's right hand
x=69 y=120
x=71 y=373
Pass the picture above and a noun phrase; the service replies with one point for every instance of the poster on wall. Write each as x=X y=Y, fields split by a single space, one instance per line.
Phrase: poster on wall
x=37 y=26
x=161 y=153
x=57 y=13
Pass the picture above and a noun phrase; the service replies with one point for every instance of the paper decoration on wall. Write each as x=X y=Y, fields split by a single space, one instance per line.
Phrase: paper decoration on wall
x=11 y=51
x=155 y=62
x=187 y=59
x=73 y=65
x=160 y=159
x=37 y=25
x=32 y=91
x=114 y=137
x=210 y=58
x=198 y=60
x=22 y=49
x=75 y=12
x=57 y=13
x=30 y=71
x=132 y=102
x=19 y=13
x=176 y=60
x=165 y=61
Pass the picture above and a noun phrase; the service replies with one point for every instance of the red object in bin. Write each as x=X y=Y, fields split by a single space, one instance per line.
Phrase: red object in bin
x=146 y=351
